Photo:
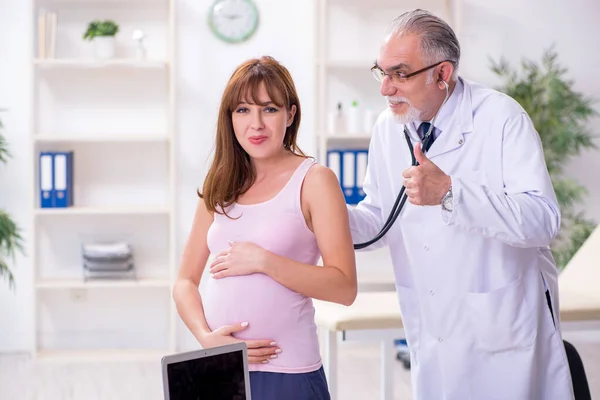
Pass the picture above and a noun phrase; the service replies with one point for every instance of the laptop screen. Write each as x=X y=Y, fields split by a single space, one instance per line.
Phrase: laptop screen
x=215 y=377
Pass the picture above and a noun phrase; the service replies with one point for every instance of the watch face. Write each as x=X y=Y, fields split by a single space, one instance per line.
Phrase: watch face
x=233 y=20
x=448 y=203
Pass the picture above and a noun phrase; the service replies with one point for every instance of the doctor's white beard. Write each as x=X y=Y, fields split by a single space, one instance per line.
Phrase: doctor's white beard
x=411 y=115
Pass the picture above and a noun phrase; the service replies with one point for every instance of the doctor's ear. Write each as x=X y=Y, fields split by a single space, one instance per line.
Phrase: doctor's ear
x=444 y=75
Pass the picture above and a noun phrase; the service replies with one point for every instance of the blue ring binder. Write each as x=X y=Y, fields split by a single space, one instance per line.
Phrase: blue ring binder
x=349 y=180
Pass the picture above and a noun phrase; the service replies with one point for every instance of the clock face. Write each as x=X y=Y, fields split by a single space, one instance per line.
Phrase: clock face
x=233 y=21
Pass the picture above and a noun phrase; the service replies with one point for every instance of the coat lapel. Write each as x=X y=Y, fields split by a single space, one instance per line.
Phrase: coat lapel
x=457 y=126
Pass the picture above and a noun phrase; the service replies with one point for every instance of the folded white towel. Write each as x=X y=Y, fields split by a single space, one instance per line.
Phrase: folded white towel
x=117 y=249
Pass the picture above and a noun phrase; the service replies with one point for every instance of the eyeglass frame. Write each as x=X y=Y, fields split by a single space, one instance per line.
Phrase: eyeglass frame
x=403 y=78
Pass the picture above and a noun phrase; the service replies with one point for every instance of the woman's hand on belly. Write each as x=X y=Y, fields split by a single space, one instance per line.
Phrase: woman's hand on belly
x=259 y=351
x=240 y=259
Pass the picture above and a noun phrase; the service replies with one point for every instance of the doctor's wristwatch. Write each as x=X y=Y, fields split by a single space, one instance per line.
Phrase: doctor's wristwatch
x=447 y=201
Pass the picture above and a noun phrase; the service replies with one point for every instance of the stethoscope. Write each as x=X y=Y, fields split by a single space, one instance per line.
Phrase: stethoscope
x=401 y=198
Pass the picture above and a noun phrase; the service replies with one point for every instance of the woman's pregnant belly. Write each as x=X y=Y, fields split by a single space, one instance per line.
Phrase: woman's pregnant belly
x=273 y=312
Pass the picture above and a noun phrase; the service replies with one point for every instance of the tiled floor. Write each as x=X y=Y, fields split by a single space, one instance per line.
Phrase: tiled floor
x=21 y=379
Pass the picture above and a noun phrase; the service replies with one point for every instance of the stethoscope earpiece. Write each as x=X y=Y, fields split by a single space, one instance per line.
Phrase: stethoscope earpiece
x=447 y=87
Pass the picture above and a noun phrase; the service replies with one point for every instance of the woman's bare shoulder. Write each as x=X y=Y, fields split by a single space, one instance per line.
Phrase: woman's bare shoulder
x=320 y=178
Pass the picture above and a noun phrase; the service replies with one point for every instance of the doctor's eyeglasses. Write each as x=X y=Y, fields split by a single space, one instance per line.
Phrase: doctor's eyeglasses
x=398 y=76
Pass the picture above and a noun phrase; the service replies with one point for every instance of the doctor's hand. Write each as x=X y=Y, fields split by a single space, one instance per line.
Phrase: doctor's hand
x=425 y=183
x=240 y=259
x=259 y=351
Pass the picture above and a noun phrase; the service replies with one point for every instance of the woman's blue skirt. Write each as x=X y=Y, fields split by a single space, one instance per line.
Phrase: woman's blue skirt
x=284 y=386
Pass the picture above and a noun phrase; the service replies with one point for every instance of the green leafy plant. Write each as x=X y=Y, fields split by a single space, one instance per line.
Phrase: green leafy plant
x=101 y=28
x=10 y=236
x=560 y=115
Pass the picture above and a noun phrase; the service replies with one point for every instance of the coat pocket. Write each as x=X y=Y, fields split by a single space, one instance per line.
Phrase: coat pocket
x=411 y=315
x=502 y=320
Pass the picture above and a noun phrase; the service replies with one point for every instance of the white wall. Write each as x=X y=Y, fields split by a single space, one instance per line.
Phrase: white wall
x=513 y=28
x=15 y=308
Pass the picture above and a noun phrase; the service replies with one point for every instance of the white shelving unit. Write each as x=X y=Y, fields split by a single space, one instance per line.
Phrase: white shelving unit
x=118 y=117
x=349 y=33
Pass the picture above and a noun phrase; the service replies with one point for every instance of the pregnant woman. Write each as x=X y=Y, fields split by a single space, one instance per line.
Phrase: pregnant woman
x=266 y=214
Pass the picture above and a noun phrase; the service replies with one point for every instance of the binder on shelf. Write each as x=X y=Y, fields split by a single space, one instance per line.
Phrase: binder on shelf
x=348 y=175
x=46 y=180
x=350 y=167
x=56 y=179
x=361 y=172
x=63 y=179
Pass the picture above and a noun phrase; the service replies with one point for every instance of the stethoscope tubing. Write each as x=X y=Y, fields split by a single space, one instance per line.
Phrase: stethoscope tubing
x=401 y=198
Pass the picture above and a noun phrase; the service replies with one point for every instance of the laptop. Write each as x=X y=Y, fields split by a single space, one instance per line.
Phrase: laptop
x=219 y=373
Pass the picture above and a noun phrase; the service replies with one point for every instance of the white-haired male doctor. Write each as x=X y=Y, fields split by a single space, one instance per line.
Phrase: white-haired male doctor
x=476 y=281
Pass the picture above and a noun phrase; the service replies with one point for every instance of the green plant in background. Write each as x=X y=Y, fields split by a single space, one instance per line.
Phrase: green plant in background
x=10 y=237
x=560 y=116
x=101 y=28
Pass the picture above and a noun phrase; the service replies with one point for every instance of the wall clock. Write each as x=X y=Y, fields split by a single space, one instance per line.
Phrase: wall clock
x=233 y=21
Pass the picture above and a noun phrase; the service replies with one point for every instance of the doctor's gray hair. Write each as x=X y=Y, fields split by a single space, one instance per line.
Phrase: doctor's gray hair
x=438 y=40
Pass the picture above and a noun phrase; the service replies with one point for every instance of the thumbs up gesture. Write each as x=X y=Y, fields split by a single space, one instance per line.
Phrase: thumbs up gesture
x=426 y=184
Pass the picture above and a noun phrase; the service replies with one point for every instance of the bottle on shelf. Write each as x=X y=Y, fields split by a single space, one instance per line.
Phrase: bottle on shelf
x=336 y=122
x=354 y=126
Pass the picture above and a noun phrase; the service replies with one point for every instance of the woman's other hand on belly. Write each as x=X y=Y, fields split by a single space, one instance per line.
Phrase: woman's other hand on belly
x=260 y=351
x=239 y=259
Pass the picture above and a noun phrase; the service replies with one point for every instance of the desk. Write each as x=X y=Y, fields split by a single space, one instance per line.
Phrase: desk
x=373 y=316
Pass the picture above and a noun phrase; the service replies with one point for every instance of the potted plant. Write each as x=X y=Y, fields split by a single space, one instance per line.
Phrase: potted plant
x=560 y=116
x=10 y=236
x=102 y=33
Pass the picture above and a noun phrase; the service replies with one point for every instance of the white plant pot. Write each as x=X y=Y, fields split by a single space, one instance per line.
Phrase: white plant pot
x=104 y=46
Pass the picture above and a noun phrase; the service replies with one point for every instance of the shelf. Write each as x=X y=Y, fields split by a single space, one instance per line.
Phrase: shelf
x=356 y=142
x=97 y=138
x=349 y=137
x=103 y=355
x=111 y=3
x=392 y=5
x=118 y=116
x=359 y=65
x=104 y=2
x=124 y=210
x=61 y=284
x=359 y=141
x=92 y=63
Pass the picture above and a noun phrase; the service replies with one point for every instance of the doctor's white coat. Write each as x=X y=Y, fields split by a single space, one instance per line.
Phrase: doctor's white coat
x=471 y=283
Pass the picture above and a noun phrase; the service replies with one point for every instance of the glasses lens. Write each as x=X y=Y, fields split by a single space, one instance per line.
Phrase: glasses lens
x=378 y=74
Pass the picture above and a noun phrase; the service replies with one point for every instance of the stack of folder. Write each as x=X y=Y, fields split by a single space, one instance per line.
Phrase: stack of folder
x=350 y=167
x=56 y=179
x=108 y=261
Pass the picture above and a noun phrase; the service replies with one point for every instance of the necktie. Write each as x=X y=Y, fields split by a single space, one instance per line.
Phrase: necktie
x=423 y=129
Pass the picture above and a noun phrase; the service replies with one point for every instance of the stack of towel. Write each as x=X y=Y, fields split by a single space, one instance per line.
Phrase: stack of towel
x=108 y=261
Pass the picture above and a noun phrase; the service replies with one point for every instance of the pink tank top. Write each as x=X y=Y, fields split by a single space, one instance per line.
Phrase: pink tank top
x=272 y=310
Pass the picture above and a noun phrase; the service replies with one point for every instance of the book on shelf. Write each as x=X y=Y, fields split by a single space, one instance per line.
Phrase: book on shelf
x=46 y=34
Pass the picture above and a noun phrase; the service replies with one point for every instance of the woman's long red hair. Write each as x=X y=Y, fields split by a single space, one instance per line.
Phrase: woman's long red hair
x=231 y=173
